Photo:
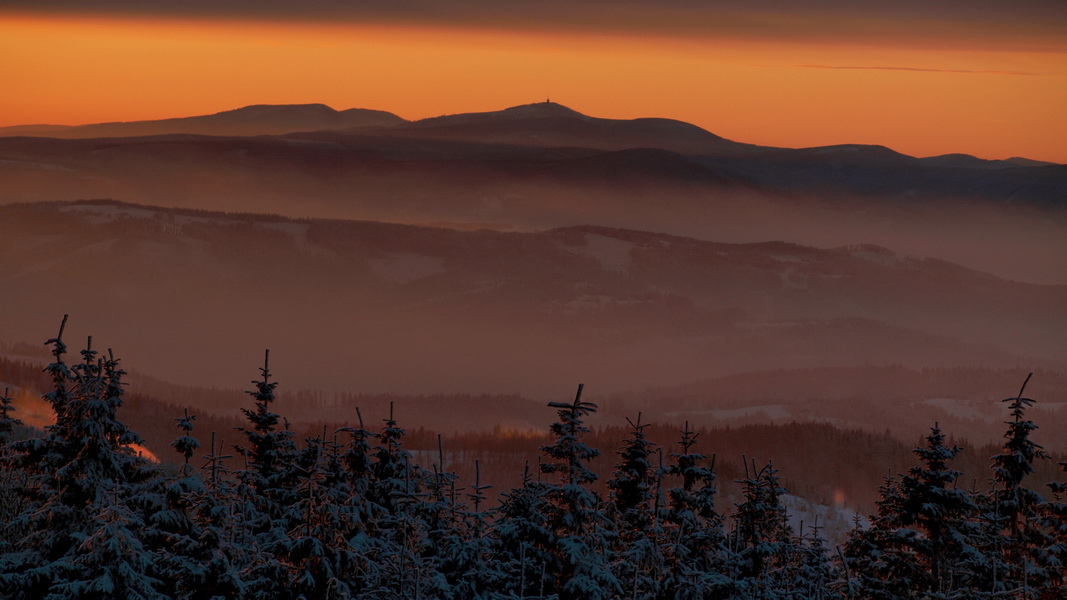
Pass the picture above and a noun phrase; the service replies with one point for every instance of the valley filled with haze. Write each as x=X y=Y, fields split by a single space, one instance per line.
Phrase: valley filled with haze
x=468 y=268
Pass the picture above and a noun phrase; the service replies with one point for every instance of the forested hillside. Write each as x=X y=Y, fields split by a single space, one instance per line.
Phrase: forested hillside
x=356 y=513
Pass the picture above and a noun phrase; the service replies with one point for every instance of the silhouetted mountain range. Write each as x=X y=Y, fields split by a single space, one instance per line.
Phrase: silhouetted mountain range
x=543 y=166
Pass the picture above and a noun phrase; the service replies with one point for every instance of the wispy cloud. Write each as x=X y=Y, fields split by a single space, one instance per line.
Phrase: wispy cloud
x=918 y=70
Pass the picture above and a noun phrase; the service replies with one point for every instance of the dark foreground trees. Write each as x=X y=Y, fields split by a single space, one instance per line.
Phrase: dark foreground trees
x=351 y=514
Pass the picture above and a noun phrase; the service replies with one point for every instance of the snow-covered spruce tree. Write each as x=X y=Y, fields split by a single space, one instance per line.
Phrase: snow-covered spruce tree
x=693 y=539
x=84 y=481
x=1054 y=522
x=583 y=534
x=192 y=532
x=12 y=479
x=813 y=574
x=439 y=511
x=523 y=539
x=762 y=540
x=881 y=560
x=322 y=563
x=8 y=422
x=922 y=541
x=637 y=558
x=362 y=514
x=220 y=529
x=267 y=491
x=467 y=559
x=946 y=517
x=396 y=491
x=171 y=532
x=1019 y=540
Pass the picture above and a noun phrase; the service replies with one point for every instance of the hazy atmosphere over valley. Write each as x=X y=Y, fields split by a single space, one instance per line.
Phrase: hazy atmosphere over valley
x=800 y=231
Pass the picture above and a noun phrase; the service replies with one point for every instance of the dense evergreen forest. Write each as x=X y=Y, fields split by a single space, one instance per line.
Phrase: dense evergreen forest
x=356 y=514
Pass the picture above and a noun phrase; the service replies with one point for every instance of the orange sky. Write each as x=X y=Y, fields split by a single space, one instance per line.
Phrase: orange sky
x=917 y=97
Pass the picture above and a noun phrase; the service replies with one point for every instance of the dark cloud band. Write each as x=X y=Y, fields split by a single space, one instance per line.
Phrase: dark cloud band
x=989 y=23
x=917 y=70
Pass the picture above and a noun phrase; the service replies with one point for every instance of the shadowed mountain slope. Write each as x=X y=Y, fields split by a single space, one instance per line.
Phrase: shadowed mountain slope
x=385 y=307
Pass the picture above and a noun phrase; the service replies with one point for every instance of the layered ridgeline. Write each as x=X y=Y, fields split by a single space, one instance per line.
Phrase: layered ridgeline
x=427 y=310
x=544 y=166
x=355 y=514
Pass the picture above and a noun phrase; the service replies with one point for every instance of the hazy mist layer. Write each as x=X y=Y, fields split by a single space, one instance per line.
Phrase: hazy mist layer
x=360 y=306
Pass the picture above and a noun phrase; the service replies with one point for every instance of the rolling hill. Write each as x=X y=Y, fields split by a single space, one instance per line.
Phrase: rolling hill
x=366 y=306
x=545 y=166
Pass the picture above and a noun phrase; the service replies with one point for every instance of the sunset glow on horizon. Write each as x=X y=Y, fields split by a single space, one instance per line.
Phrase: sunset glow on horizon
x=916 y=99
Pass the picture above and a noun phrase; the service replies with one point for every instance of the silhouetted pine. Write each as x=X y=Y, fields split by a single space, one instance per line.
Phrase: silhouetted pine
x=1054 y=522
x=12 y=479
x=813 y=575
x=638 y=560
x=360 y=514
x=468 y=561
x=923 y=540
x=583 y=533
x=881 y=559
x=83 y=476
x=523 y=539
x=267 y=491
x=761 y=548
x=1020 y=541
x=396 y=493
x=322 y=563
x=8 y=422
x=172 y=535
x=222 y=534
x=693 y=539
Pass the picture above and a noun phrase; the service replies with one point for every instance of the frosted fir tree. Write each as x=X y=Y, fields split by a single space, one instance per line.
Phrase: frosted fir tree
x=583 y=534
x=111 y=560
x=471 y=567
x=762 y=540
x=813 y=574
x=221 y=532
x=270 y=451
x=362 y=515
x=396 y=492
x=524 y=540
x=1054 y=523
x=356 y=461
x=638 y=561
x=693 y=539
x=1019 y=539
x=8 y=422
x=922 y=541
x=81 y=473
x=267 y=489
x=945 y=515
x=881 y=562
x=12 y=479
x=171 y=531
x=322 y=563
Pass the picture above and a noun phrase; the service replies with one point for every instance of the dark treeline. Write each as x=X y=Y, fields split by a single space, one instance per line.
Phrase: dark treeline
x=360 y=515
x=824 y=463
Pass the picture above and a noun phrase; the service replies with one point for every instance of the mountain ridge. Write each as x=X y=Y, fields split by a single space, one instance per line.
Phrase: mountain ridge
x=317 y=117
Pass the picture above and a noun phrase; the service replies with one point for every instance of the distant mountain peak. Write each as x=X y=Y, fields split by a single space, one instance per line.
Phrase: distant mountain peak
x=542 y=109
x=537 y=110
x=275 y=108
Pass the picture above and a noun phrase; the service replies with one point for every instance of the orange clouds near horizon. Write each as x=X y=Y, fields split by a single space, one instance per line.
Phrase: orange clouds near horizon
x=920 y=101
